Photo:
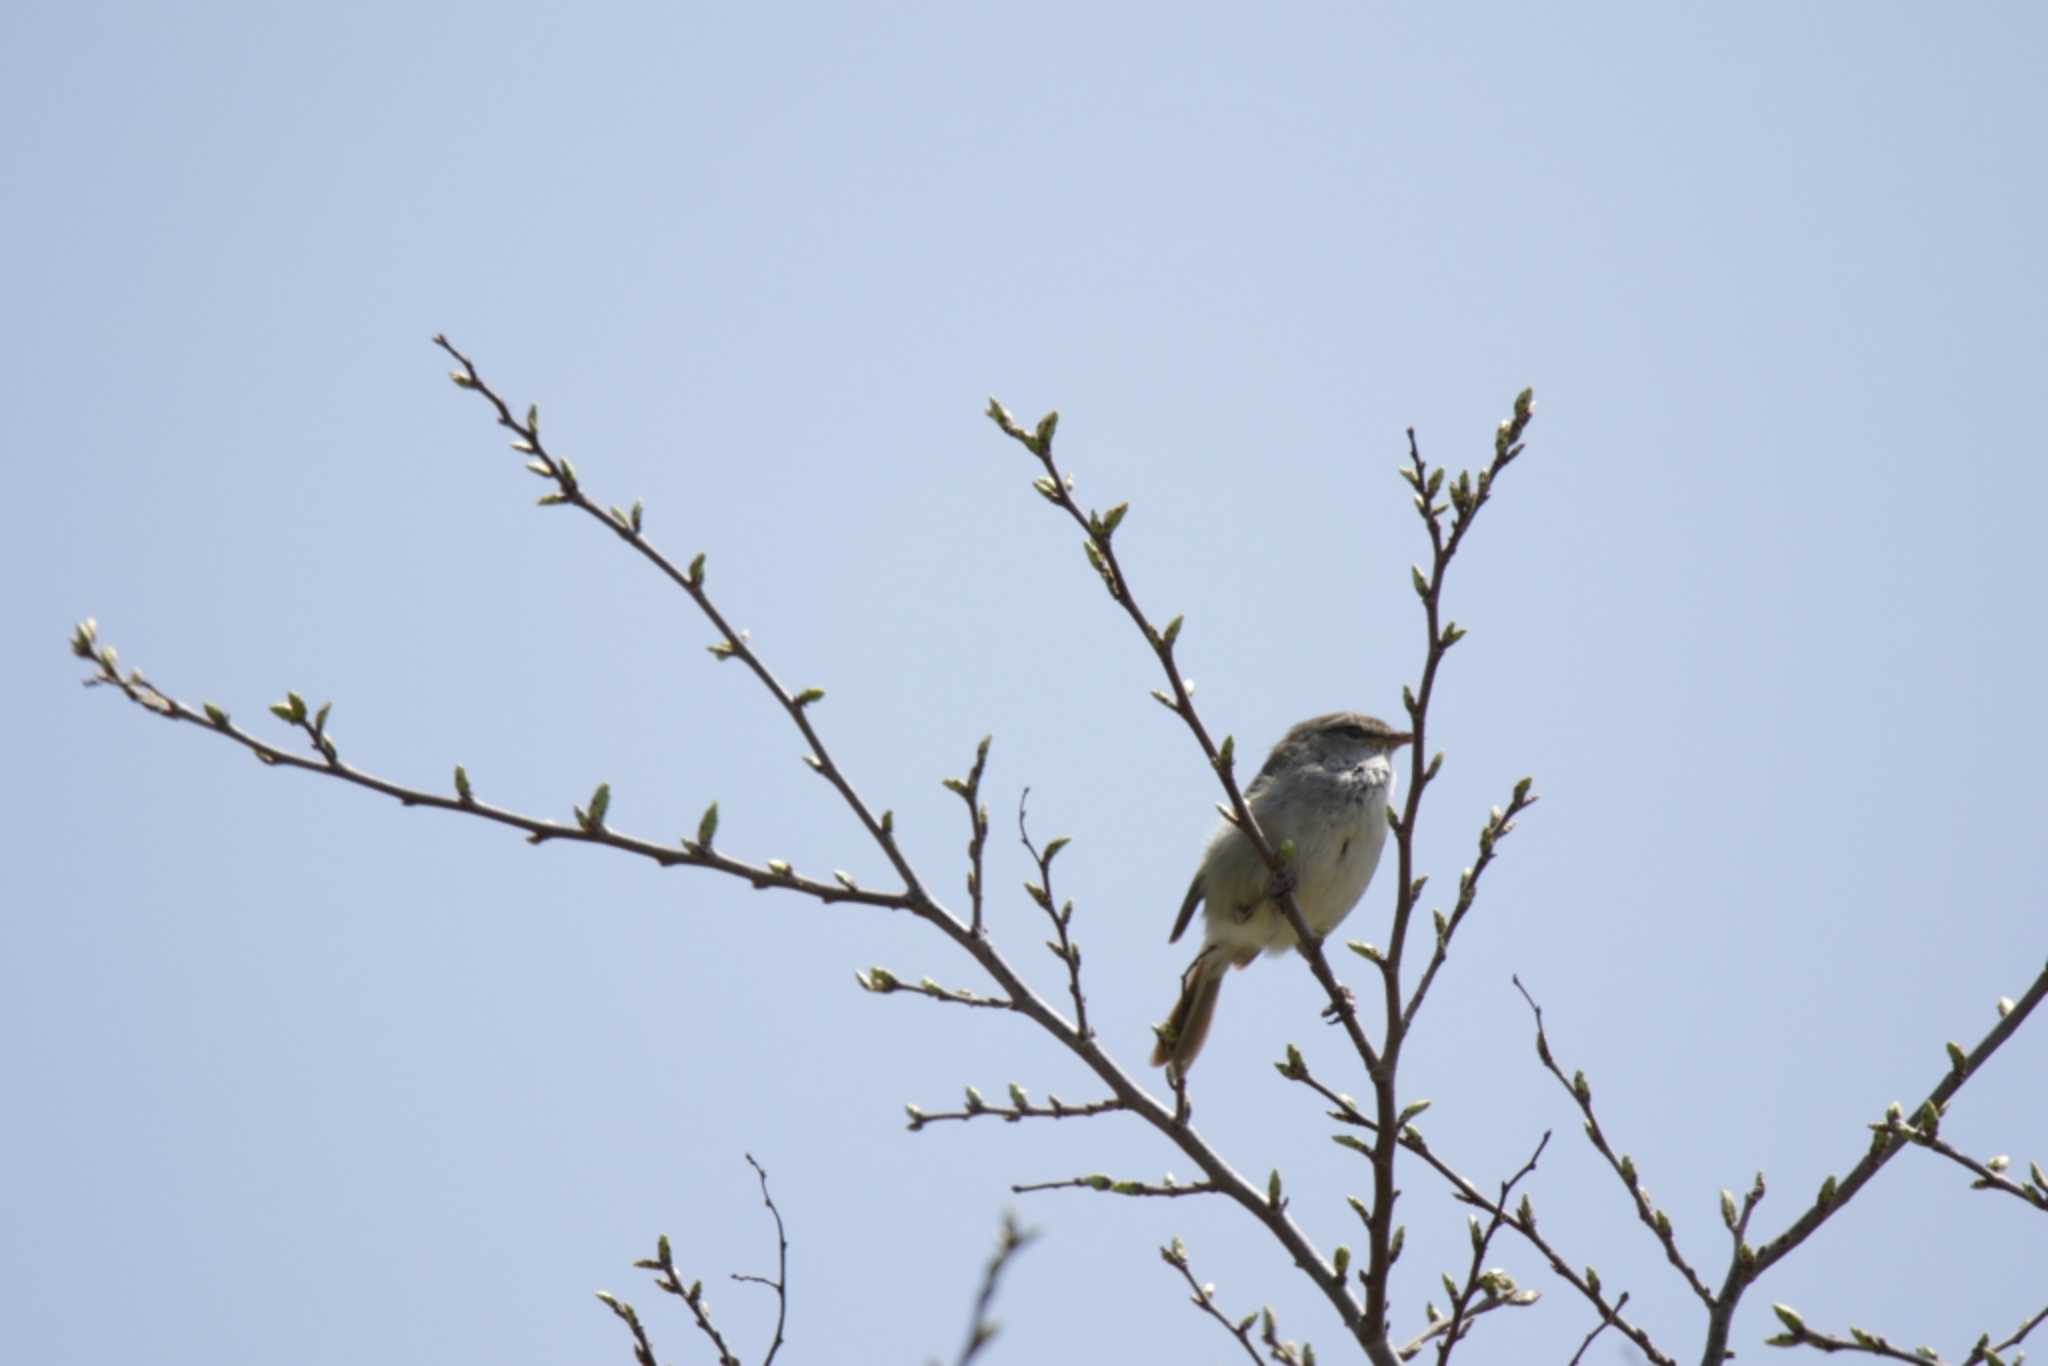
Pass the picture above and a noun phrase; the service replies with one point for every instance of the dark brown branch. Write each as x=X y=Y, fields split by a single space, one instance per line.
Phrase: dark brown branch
x=780 y=1285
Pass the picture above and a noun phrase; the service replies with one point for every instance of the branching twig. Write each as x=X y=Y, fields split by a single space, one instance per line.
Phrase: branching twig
x=1346 y=1111
x=1011 y=1239
x=1479 y=1281
x=663 y=1264
x=1887 y=1138
x=780 y=1285
x=1175 y=1255
x=1501 y=1293
x=731 y=643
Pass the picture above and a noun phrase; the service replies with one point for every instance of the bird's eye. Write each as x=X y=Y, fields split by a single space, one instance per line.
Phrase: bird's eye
x=1351 y=730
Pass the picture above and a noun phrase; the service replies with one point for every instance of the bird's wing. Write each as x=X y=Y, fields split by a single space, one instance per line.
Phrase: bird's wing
x=1187 y=909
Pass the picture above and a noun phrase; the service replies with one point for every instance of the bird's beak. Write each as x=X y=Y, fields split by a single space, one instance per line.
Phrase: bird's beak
x=1395 y=742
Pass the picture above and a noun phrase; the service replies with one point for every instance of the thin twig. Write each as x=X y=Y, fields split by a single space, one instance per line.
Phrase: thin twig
x=2021 y=1335
x=762 y=877
x=1010 y=1240
x=1203 y=1296
x=1499 y=822
x=1112 y=1186
x=1598 y=1329
x=1442 y=1327
x=643 y=1350
x=1989 y=1177
x=1019 y=1109
x=883 y=982
x=666 y=1278
x=1477 y=1279
x=780 y=1285
x=968 y=790
x=1063 y=946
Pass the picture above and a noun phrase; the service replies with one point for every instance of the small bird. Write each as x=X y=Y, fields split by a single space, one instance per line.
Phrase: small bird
x=1326 y=788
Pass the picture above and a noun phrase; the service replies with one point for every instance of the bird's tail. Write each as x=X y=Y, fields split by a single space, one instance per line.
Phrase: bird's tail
x=1187 y=1025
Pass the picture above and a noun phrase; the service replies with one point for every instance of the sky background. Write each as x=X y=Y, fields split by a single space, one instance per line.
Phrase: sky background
x=292 y=1070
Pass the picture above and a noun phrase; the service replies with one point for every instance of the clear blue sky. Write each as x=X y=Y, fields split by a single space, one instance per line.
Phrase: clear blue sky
x=294 y=1072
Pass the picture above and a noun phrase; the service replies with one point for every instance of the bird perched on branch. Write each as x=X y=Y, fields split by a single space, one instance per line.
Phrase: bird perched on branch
x=1325 y=790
